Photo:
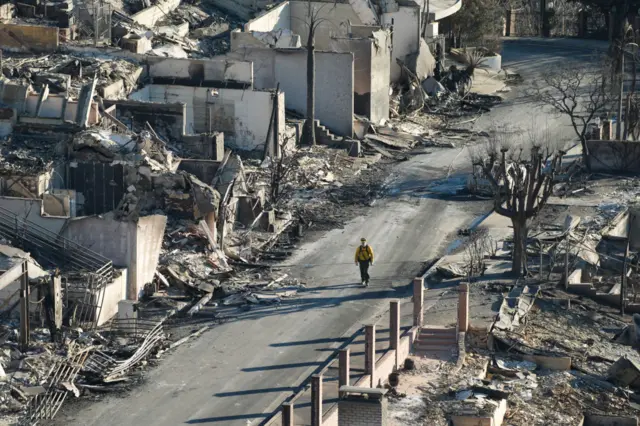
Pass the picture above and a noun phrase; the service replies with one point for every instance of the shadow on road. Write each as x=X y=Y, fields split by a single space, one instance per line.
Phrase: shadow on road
x=226 y=418
x=254 y=391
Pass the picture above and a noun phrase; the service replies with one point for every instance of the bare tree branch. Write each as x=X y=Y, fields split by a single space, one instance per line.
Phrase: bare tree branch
x=579 y=92
x=521 y=183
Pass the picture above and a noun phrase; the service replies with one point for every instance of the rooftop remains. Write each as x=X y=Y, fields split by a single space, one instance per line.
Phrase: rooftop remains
x=68 y=73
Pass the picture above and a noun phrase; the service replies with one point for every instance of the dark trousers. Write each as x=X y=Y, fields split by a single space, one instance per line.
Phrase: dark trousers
x=364 y=270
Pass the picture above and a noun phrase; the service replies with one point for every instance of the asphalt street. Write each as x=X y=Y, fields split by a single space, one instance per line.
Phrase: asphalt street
x=239 y=371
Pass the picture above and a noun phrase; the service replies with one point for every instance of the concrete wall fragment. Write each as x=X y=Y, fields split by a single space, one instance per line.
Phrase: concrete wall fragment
x=28 y=38
x=334 y=87
x=165 y=117
x=242 y=115
x=30 y=209
x=201 y=72
x=372 y=62
x=406 y=34
x=134 y=245
x=151 y=15
x=273 y=19
x=335 y=19
x=149 y=236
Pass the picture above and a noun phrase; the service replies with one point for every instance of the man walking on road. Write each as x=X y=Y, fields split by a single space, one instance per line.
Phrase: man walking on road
x=364 y=258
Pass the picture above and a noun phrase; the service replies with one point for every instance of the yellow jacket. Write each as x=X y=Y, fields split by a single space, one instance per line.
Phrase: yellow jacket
x=364 y=253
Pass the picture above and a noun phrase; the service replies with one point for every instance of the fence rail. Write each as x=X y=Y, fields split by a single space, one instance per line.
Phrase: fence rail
x=53 y=248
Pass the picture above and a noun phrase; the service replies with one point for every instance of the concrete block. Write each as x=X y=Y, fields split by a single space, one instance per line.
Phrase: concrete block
x=432 y=29
x=354 y=148
x=208 y=146
x=127 y=309
x=114 y=90
x=494 y=419
x=560 y=363
x=136 y=44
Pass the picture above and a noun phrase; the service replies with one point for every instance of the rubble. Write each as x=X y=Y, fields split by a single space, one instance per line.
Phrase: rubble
x=66 y=74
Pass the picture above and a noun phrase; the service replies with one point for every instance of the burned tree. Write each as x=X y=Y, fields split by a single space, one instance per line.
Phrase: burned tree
x=580 y=93
x=313 y=20
x=282 y=172
x=521 y=183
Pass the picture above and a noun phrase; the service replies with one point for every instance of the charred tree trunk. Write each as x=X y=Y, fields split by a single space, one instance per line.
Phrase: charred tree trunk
x=520 y=233
x=586 y=158
x=309 y=137
x=521 y=187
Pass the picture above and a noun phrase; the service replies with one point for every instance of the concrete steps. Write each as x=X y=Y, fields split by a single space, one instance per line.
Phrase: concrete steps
x=436 y=342
x=324 y=136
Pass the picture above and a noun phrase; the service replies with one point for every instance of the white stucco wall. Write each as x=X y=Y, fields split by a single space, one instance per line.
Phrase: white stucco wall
x=335 y=17
x=365 y=11
x=209 y=70
x=371 y=73
x=114 y=292
x=30 y=209
x=380 y=76
x=149 y=236
x=274 y=19
x=245 y=47
x=135 y=246
x=243 y=115
x=51 y=107
x=334 y=87
x=406 y=34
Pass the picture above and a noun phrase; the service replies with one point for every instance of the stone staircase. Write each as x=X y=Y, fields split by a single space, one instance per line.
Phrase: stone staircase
x=324 y=136
x=436 y=342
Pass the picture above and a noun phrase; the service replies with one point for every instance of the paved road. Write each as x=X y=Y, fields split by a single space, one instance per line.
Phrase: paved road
x=238 y=371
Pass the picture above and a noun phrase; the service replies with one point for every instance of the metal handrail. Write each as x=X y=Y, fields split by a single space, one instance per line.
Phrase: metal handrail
x=75 y=256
